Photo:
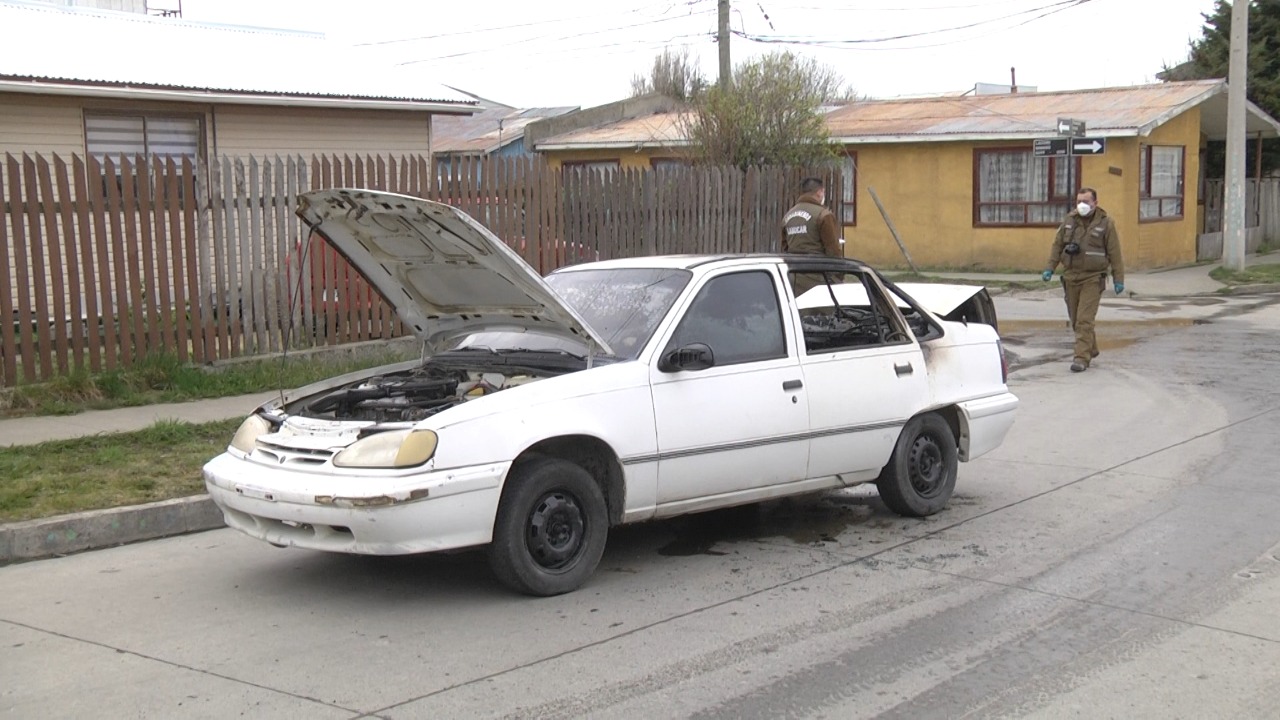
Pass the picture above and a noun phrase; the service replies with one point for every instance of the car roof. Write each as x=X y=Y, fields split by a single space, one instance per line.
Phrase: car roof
x=689 y=262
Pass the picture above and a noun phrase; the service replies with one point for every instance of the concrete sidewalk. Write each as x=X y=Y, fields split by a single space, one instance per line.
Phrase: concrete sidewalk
x=65 y=534
x=1186 y=281
x=44 y=428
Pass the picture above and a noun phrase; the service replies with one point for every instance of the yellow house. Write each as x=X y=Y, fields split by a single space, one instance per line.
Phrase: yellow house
x=982 y=181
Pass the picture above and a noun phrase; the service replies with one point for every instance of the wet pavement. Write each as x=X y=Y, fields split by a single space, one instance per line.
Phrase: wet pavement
x=1035 y=330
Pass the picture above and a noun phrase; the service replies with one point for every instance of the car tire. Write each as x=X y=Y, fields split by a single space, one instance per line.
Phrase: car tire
x=921 y=475
x=551 y=528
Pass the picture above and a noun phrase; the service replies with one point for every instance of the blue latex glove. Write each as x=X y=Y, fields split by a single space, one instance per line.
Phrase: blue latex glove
x=1119 y=288
x=1047 y=275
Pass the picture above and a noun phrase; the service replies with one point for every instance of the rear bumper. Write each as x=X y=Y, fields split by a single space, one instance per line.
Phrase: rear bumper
x=984 y=423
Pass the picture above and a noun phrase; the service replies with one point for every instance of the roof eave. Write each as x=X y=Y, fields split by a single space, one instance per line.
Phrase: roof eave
x=132 y=92
x=969 y=137
x=611 y=145
x=1177 y=110
x=1263 y=116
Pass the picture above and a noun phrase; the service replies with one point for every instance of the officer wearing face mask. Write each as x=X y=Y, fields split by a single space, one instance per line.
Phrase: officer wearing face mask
x=1088 y=246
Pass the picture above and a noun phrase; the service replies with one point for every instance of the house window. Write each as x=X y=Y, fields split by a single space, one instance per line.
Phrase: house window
x=113 y=135
x=1014 y=188
x=1160 y=173
x=668 y=163
x=848 y=189
x=603 y=167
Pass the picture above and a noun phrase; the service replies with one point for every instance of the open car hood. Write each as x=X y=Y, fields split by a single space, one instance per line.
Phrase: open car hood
x=939 y=299
x=443 y=272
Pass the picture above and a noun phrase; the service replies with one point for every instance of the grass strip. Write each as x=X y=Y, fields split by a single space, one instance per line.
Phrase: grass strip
x=1251 y=275
x=163 y=378
x=161 y=462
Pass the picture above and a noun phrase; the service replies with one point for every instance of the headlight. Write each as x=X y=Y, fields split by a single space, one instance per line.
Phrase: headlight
x=396 y=449
x=250 y=430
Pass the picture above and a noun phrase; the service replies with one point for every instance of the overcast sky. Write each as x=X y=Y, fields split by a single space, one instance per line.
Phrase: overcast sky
x=578 y=52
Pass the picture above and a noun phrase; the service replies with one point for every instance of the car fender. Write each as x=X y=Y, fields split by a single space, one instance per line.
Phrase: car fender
x=612 y=404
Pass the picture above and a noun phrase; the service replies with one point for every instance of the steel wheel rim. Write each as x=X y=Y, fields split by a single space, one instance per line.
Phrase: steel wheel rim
x=556 y=531
x=926 y=467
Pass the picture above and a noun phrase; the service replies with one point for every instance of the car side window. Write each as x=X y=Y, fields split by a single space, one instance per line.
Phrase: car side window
x=840 y=311
x=738 y=316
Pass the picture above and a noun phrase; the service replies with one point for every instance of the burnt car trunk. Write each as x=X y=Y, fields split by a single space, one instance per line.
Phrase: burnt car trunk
x=979 y=308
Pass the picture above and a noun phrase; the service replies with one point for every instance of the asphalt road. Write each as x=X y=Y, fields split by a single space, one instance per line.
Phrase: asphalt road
x=1119 y=556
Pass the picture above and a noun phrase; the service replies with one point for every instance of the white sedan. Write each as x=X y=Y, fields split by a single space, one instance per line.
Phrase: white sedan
x=545 y=411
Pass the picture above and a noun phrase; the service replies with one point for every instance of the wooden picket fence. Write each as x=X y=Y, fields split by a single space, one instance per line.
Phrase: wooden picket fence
x=1261 y=216
x=105 y=262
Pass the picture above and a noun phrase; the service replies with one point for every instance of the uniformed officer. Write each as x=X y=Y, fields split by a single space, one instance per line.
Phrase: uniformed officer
x=1088 y=246
x=809 y=228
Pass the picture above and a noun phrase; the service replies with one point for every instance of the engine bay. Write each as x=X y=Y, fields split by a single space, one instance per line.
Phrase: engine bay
x=409 y=396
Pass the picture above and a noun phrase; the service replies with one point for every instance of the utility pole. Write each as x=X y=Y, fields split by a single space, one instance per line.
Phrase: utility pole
x=1233 y=206
x=722 y=39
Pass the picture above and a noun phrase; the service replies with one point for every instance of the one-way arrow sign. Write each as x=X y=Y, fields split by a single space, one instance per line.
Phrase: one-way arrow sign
x=1088 y=146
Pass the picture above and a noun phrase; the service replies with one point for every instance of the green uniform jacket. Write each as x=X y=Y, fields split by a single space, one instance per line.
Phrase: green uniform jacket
x=1099 y=245
x=809 y=228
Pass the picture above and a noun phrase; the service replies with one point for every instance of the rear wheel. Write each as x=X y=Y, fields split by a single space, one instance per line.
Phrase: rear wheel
x=551 y=528
x=921 y=475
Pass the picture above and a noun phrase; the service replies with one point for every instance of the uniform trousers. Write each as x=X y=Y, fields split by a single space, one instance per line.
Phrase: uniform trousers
x=1084 y=292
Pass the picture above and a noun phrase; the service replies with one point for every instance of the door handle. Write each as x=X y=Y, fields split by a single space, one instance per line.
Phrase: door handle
x=903 y=369
x=792 y=385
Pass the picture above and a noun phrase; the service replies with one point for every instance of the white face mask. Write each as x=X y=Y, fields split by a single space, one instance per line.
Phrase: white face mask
x=1084 y=208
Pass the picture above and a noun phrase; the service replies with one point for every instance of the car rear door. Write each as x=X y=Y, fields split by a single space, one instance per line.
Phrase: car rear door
x=864 y=371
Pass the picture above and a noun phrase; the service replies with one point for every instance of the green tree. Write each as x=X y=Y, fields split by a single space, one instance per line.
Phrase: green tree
x=675 y=75
x=1210 y=55
x=770 y=114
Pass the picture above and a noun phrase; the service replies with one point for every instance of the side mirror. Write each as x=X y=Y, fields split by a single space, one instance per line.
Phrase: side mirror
x=692 y=357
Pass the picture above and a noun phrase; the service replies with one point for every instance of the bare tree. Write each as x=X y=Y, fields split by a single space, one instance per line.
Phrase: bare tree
x=770 y=114
x=674 y=74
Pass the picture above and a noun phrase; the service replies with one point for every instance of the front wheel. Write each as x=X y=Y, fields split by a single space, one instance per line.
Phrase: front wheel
x=921 y=475
x=551 y=528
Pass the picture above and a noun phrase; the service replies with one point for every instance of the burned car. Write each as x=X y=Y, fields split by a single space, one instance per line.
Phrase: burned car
x=545 y=411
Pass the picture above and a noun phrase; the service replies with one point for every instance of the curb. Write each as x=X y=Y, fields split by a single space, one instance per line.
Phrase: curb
x=1255 y=289
x=96 y=529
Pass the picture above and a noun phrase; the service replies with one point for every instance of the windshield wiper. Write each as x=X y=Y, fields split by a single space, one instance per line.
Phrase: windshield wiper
x=562 y=353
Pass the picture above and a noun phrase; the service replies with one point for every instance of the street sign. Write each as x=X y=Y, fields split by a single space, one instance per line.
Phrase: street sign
x=1070 y=127
x=1088 y=146
x=1051 y=147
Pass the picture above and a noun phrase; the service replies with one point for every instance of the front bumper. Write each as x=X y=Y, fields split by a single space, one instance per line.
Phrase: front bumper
x=363 y=514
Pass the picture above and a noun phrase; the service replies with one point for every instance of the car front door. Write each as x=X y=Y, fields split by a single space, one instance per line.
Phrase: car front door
x=864 y=371
x=733 y=413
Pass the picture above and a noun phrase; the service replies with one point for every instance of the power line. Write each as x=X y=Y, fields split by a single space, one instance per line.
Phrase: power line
x=515 y=26
x=1049 y=9
x=583 y=50
x=844 y=7
x=574 y=36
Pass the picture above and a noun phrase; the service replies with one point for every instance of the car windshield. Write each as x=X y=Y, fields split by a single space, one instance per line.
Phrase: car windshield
x=623 y=305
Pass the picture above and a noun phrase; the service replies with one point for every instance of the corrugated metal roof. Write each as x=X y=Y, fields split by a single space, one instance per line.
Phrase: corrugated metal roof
x=61 y=45
x=1105 y=111
x=480 y=133
x=655 y=130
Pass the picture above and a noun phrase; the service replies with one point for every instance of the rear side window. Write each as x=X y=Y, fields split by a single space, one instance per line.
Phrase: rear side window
x=842 y=311
x=738 y=316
